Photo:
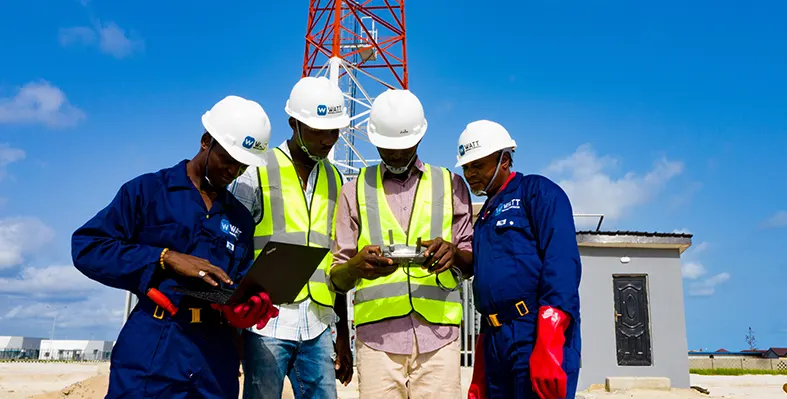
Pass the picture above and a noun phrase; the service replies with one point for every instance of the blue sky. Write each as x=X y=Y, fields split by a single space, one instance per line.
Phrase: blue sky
x=664 y=118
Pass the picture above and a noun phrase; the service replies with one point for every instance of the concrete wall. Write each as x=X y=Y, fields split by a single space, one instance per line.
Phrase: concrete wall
x=667 y=318
x=736 y=362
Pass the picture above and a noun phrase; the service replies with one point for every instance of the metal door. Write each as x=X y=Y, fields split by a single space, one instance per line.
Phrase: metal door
x=632 y=321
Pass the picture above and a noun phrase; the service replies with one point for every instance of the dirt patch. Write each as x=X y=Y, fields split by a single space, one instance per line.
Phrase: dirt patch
x=92 y=388
x=21 y=380
x=53 y=381
x=641 y=394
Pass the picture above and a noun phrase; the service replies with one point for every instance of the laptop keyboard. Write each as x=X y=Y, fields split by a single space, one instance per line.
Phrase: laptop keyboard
x=218 y=295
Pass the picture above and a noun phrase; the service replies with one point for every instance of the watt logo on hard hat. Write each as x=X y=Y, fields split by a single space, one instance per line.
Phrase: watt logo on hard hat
x=323 y=110
x=250 y=142
x=463 y=148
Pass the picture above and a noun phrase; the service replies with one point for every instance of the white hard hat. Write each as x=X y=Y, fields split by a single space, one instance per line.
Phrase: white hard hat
x=396 y=120
x=242 y=127
x=481 y=138
x=318 y=103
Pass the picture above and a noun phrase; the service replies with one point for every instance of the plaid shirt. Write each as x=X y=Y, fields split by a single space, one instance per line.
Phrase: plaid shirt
x=296 y=322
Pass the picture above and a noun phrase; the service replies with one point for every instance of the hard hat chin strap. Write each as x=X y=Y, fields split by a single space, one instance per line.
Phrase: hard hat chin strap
x=303 y=146
x=401 y=169
x=485 y=191
x=205 y=168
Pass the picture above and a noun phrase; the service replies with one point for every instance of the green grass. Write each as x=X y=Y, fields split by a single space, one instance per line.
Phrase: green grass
x=737 y=372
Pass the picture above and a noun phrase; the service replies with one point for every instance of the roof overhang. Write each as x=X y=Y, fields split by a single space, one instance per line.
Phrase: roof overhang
x=633 y=239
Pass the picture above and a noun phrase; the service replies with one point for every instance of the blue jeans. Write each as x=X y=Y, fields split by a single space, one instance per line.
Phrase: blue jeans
x=308 y=364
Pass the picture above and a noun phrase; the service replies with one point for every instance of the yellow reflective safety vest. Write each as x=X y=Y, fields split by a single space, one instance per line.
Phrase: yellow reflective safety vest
x=417 y=290
x=286 y=218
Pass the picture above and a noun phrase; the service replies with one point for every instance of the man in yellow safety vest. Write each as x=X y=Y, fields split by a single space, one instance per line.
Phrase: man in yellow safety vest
x=293 y=199
x=407 y=315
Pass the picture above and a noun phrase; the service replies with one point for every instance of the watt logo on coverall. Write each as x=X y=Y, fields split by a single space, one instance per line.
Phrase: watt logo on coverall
x=513 y=204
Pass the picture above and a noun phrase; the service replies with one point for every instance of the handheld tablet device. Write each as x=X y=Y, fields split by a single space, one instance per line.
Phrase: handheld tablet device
x=281 y=270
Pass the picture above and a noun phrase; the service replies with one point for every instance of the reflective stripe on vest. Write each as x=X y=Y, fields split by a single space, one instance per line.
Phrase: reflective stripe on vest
x=398 y=294
x=287 y=219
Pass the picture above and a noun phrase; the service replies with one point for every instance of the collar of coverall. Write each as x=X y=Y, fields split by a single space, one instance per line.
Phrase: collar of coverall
x=177 y=178
x=503 y=187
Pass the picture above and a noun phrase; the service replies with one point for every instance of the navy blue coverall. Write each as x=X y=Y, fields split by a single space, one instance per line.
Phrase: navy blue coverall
x=171 y=357
x=525 y=249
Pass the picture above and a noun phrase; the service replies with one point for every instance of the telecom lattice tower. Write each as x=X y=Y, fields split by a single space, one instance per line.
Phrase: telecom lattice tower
x=362 y=47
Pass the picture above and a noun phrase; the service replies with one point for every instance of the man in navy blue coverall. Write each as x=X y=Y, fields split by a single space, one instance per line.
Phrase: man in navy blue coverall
x=175 y=227
x=527 y=271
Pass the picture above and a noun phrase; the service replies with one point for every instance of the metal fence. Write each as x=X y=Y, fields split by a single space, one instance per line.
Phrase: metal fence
x=76 y=355
x=19 y=354
x=471 y=324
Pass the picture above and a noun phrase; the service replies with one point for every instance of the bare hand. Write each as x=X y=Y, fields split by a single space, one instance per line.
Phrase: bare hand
x=370 y=264
x=191 y=266
x=439 y=255
x=344 y=358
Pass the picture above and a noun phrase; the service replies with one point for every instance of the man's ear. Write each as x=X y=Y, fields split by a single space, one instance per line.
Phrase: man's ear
x=293 y=123
x=205 y=140
x=508 y=162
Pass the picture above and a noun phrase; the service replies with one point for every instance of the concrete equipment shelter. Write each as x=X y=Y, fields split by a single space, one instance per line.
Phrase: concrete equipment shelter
x=632 y=310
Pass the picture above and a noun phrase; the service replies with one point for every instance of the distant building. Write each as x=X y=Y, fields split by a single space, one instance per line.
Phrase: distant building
x=775 y=353
x=19 y=347
x=80 y=350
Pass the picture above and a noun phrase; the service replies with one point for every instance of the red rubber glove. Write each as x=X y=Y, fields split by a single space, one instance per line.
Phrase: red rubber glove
x=546 y=374
x=258 y=310
x=478 y=383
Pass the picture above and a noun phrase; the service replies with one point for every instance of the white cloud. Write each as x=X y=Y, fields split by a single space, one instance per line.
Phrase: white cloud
x=82 y=307
x=53 y=281
x=9 y=155
x=585 y=178
x=39 y=102
x=707 y=287
x=77 y=35
x=99 y=309
x=692 y=270
x=112 y=39
x=778 y=219
x=681 y=231
x=701 y=247
x=20 y=236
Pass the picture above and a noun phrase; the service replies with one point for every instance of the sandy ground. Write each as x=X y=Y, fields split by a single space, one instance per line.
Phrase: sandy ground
x=89 y=381
x=22 y=380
